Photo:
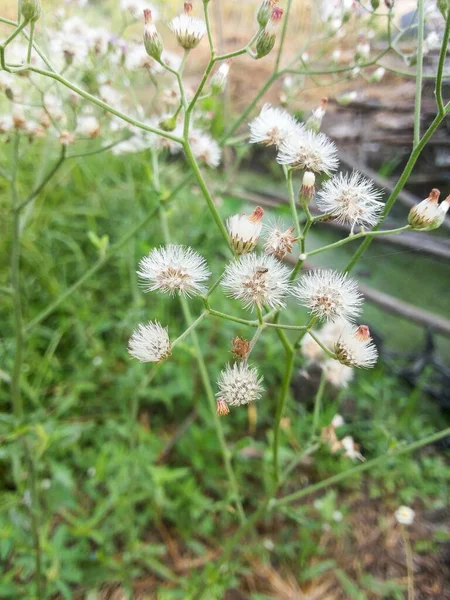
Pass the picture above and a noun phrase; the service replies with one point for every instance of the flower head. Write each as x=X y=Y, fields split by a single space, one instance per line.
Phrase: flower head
x=188 y=30
x=351 y=450
x=88 y=126
x=267 y=36
x=152 y=40
x=329 y=295
x=205 y=148
x=245 y=230
x=355 y=347
x=428 y=214
x=150 y=343
x=314 y=122
x=257 y=280
x=279 y=242
x=309 y=151
x=272 y=126
x=405 y=515
x=351 y=199
x=336 y=373
x=239 y=384
x=172 y=269
x=220 y=78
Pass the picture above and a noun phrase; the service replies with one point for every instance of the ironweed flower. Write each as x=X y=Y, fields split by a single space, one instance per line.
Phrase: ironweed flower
x=238 y=385
x=245 y=230
x=150 y=343
x=350 y=199
x=174 y=269
x=329 y=295
x=272 y=127
x=188 y=30
x=355 y=347
x=257 y=280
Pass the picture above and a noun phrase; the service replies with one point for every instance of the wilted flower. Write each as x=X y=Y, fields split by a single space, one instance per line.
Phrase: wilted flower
x=88 y=126
x=205 y=148
x=272 y=126
x=428 y=214
x=355 y=347
x=257 y=280
x=239 y=384
x=152 y=40
x=350 y=199
x=405 y=515
x=222 y=408
x=172 y=269
x=279 y=242
x=188 y=30
x=150 y=343
x=241 y=347
x=329 y=295
x=245 y=230
x=309 y=151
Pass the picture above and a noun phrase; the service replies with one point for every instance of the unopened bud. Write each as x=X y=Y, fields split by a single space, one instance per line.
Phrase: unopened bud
x=375 y=4
x=266 y=39
x=315 y=120
x=241 y=347
x=152 y=40
x=377 y=75
x=362 y=50
x=222 y=408
x=389 y=4
x=308 y=189
x=429 y=214
x=168 y=124
x=30 y=9
x=444 y=7
x=265 y=12
x=220 y=78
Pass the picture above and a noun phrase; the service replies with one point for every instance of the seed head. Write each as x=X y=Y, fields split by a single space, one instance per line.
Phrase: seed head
x=272 y=126
x=351 y=199
x=329 y=295
x=150 y=343
x=245 y=230
x=239 y=384
x=355 y=347
x=174 y=269
x=429 y=214
x=257 y=280
x=279 y=242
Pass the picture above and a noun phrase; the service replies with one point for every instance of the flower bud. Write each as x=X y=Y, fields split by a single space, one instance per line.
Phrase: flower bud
x=444 y=7
x=377 y=75
x=389 y=4
x=222 y=408
x=244 y=231
x=308 y=189
x=168 y=124
x=266 y=39
x=30 y=9
x=429 y=214
x=152 y=40
x=265 y=12
x=375 y=4
x=220 y=78
x=315 y=120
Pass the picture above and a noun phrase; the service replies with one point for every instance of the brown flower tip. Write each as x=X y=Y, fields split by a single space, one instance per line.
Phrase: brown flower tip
x=188 y=7
x=324 y=102
x=222 y=408
x=256 y=215
x=277 y=14
x=434 y=196
x=241 y=347
x=363 y=333
x=147 y=16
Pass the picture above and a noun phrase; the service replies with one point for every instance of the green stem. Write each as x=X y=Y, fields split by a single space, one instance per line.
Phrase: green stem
x=318 y=403
x=419 y=72
x=190 y=328
x=327 y=351
x=441 y=64
x=30 y=41
x=357 y=236
x=292 y=203
x=35 y=517
x=290 y=357
x=221 y=315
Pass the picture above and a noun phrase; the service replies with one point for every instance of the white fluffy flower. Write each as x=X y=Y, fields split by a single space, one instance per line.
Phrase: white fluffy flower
x=355 y=347
x=239 y=384
x=309 y=151
x=272 y=126
x=173 y=269
x=245 y=230
x=257 y=280
x=150 y=343
x=351 y=198
x=88 y=126
x=329 y=295
x=205 y=148
x=188 y=30
x=405 y=515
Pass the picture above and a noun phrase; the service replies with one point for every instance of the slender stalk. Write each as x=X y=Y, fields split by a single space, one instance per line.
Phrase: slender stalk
x=409 y=562
x=222 y=315
x=290 y=357
x=419 y=72
x=30 y=41
x=193 y=325
x=318 y=403
x=35 y=517
x=327 y=351
x=441 y=64
x=283 y=35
